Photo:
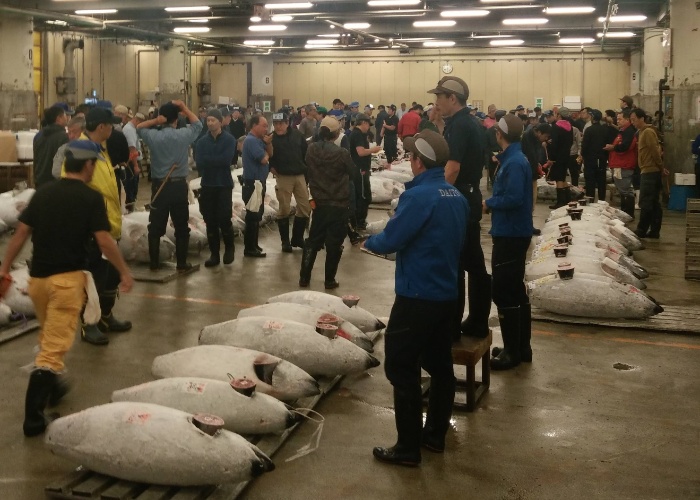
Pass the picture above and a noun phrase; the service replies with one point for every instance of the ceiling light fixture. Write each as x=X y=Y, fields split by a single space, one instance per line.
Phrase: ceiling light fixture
x=330 y=35
x=376 y=40
x=576 y=40
x=95 y=11
x=623 y=19
x=315 y=46
x=392 y=3
x=504 y=1
x=267 y=27
x=313 y=41
x=504 y=43
x=464 y=13
x=194 y=8
x=255 y=19
x=258 y=43
x=492 y=36
x=57 y=23
x=616 y=34
x=281 y=18
x=434 y=24
x=193 y=29
x=199 y=20
x=438 y=43
x=569 y=10
x=287 y=6
x=356 y=26
x=525 y=21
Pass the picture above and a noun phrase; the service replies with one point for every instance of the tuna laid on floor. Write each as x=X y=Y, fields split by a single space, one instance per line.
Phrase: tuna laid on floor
x=273 y=376
x=310 y=316
x=149 y=443
x=17 y=295
x=361 y=318
x=254 y=414
x=591 y=298
x=296 y=342
x=543 y=266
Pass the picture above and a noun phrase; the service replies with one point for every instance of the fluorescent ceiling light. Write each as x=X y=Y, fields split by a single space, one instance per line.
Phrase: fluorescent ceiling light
x=434 y=24
x=576 y=40
x=316 y=46
x=356 y=26
x=200 y=20
x=57 y=23
x=267 y=27
x=194 y=8
x=282 y=6
x=330 y=35
x=464 y=13
x=525 y=20
x=391 y=3
x=438 y=43
x=617 y=34
x=281 y=18
x=376 y=40
x=209 y=46
x=503 y=43
x=569 y=10
x=258 y=43
x=321 y=42
x=504 y=1
x=96 y=11
x=623 y=19
x=193 y=29
x=255 y=19
x=492 y=36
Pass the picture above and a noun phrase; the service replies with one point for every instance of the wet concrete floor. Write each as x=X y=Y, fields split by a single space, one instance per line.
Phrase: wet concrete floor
x=575 y=424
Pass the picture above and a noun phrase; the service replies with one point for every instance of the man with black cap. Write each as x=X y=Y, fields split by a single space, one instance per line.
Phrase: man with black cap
x=379 y=123
x=288 y=166
x=419 y=334
x=390 y=134
x=169 y=148
x=464 y=134
x=511 y=230
x=626 y=102
x=558 y=151
x=60 y=219
x=213 y=153
x=362 y=157
x=48 y=142
x=595 y=158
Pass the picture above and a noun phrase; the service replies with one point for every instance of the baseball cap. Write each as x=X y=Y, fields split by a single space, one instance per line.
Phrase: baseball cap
x=65 y=107
x=120 y=108
x=549 y=112
x=430 y=147
x=451 y=85
x=597 y=115
x=338 y=113
x=331 y=123
x=140 y=116
x=321 y=109
x=85 y=150
x=280 y=117
x=392 y=106
x=564 y=112
x=500 y=113
x=532 y=115
x=361 y=117
x=511 y=126
x=627 y=100
x=101 y=103
x=370 y=106
x=169 y=111
x=418 y=107
x=519 y=107
x=354 y=104
x=97 y=116
x=216 y=114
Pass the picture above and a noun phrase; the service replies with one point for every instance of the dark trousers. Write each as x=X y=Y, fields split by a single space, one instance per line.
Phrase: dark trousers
x=418 y=336
x=651 y=213
x=216 y=206
x=574 y=169
x=390 y=148
x=594 y=171
x=328 y=228
x=363 y=196
x=248 y=189
x=106 y=278
x=508 y=271
x=131 y=186
x=171 y=202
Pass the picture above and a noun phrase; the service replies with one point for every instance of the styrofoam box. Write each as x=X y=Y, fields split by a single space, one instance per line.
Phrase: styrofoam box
x=685 y=180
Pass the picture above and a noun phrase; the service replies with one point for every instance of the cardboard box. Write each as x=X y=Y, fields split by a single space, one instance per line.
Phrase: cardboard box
x=8 y=147
x=685 y=180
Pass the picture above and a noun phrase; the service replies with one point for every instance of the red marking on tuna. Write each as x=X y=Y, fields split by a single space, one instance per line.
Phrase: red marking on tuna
x=139 y=418
x=342 y=333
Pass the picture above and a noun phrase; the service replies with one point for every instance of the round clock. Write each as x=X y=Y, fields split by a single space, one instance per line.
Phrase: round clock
x=447 y=68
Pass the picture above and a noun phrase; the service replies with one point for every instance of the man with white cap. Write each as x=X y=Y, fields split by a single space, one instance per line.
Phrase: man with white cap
x=511 y=231
x=463 y=170
x=427 y=233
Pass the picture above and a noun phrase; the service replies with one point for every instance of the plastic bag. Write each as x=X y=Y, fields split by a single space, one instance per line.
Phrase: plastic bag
x=256 y=198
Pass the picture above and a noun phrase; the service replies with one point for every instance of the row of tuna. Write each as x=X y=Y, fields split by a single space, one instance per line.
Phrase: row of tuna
x=184 y=428
x=583 y=265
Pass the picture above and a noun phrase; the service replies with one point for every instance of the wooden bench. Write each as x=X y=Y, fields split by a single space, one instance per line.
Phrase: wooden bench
x=467 y=353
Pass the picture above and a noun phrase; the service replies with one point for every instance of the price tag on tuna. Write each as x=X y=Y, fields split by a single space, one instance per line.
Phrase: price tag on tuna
x=194 y=388
x=273 y=325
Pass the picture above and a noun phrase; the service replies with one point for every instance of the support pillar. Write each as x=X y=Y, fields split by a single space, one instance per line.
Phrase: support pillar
x=262 y=88
x=18 y=101
x=172 y=72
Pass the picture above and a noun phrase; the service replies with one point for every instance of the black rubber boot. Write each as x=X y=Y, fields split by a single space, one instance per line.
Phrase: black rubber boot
x=561 y=197
x=308 y=259
x=441 y=397
x=643 y=224
x=214 y=248
x=656 y=219
x=298 y=229
x=479 y=296
x=154 y=253
x=60 y=388
x=627 y=204
x=525 y=335
x=251 y=241
x=181 y=247
x=283 y=226
x=408 y=415
x=41 y=384
x=332 y=260
x=509 y=357
x=111 y=324
x=92 y=335
x=229 y=246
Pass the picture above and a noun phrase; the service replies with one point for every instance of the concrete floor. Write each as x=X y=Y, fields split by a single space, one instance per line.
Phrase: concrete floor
x=567 y=426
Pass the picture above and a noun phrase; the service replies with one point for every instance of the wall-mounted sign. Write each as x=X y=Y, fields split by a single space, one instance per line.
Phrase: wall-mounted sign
x=668 y=112
x=267 y=106
x=539 y=102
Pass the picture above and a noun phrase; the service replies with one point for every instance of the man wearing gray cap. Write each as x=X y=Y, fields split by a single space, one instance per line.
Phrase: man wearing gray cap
x=133 y=168
x=465 y=136
x=419 y=330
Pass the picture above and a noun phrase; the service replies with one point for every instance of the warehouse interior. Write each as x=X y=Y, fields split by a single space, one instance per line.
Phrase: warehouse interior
x=601 y=412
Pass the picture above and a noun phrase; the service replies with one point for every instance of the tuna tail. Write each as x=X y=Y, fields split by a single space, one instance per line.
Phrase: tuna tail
x=379 y=325
x=262 y=465
x=633 y=267
x=658 y=309
x=372 y=362
x=364 y=343
x=293 y=417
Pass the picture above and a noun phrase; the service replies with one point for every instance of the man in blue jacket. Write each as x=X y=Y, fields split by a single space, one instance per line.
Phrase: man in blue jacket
x=511 y=231
x=427 y=233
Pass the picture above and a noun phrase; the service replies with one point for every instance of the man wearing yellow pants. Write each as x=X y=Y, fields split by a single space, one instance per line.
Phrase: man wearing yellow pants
x=60 y=219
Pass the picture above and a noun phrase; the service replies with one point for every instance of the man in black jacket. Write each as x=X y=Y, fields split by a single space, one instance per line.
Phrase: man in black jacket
x=237 y=130
x=559 y=151
x=287 y=165
x=47 y=143
x=595 y=158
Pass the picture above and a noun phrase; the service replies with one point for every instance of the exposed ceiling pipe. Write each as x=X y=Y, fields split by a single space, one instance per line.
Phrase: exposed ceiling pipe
x=389 y=41
x=612 y=9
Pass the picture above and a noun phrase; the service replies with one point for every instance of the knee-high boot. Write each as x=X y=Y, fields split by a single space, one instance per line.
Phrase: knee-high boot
x=656 y=218
x=229 y=245
x=407 y=412
x=308 y=259
x=154 y=252
x=283 y=226
x=332 y=260
x=298 y=229
x=479 y=298
x=441 y=397
x=214 y=248
x=525 y=335
x=561 y=198
x=41 y=385
x=509 y=357
x=181 y=246
x=627 y=204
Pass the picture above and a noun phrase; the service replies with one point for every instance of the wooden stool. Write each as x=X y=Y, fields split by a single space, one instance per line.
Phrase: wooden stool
x=467 y=352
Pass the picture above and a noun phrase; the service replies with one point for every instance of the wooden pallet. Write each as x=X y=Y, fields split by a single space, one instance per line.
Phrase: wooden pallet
x=17 y=328
x=167 y=272
x=692 y=240
x=674 y=319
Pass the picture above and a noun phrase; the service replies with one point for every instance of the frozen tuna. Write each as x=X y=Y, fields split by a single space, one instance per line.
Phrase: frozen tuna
x=12 y=203
x=254 y=414
x=543 y=266
x=273 y=376
x=17 y=295
x=134 y=241
x=296 y=342
x=149 y=443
